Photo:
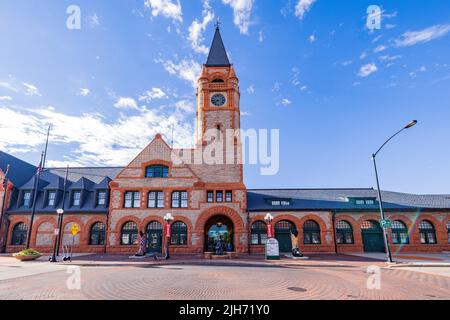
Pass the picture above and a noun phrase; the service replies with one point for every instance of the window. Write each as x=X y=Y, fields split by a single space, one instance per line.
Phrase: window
x=218 y=81
x=179 y=199
x=155 y=199
x=399 y=232
x=101 y=198
x=448 y=231
x=370 y=225
x=344 y=233
x=157 y=172
x=129 y=234
x=219 y=196
x=26 y=199
x=427 y=233
x=132 y=199
x=259 y=233
x=179 y=234
x=311 y=232
x=76 y=198
x=51 y=197
x=97 y=235
x=19 y=234
x=210 y=196
x=228 y=196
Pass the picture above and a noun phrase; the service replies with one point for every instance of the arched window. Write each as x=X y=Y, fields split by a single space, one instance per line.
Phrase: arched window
x=448 y=231
x=97 y=235
x=344 y=233
x=129 y=234
x=179 y=234
x=157 y=171
x=311 y=232
x=259 y=233
x=427 y=233
x=19 y=234
x=399 y=232
x=370 y=225
x=218 y=80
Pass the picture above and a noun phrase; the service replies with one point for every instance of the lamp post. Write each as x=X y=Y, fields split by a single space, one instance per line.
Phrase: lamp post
x=168 y=218
x=385 y=237
x=60 y=213
x=269 y=218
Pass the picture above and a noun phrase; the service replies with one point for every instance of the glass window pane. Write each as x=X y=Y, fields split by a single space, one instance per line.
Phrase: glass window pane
x=136 y=199
x=339 y=238
x=404 y=238
x=229 y=196
x=263 y=238
x=160 y=196
x=395 y=239
x=316 y=238
x=423 y=238
x=349 y=238
x=431 y=237
x=255 y=239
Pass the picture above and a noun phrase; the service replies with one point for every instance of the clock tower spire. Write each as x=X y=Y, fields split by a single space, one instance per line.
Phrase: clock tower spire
x=218 y=93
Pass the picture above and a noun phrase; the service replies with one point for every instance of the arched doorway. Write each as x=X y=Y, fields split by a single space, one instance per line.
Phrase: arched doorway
x=219 y=227
x=283 y=235
x=372 y=236
x=154 y=236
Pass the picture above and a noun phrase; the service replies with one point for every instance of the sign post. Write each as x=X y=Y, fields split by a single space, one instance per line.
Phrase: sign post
x=74 y=230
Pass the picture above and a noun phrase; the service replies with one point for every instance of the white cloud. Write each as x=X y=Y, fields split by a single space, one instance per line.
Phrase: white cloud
x=197 y=29
x=363 y=55
x=347 y=63
x=286 y=102
x=390 y=58
x=242 y=11
x=84 y=92
x=367 y=70
x=154 y=93
x=412 y=38
x=245 y=114
x=89 y=138
x=312 y=38
x=166 y=8
x=126 y=103
x=380 y=48
x=261 y=36
x=390 y=26
x=422 y=69
x=5 y=98
x=188 y=70
x=251 y=89
x=302 y=7
x=185 y=105
x=31 y=90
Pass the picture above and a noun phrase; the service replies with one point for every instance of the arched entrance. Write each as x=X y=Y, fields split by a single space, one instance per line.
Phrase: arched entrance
x=283 y=235
x=219 y=227
x=372 y=236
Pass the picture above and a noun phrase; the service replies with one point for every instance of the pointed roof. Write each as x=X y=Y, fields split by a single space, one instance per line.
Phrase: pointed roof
x=82 y=184
x=19 y=172
x=217 y=54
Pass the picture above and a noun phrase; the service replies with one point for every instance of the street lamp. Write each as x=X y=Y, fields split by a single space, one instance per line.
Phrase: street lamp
x=385 y=238
x=60 y=213
x=269 y=218
x=168 y=218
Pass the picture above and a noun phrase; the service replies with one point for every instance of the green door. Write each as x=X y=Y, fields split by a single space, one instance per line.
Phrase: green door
x=154 y=234
x=283 y=235
x=372 y=236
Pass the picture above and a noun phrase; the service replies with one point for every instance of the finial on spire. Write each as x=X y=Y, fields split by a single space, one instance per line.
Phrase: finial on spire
x=217 y=23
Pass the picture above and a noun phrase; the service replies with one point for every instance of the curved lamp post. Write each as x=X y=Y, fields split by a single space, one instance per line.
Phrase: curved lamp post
x=385 y=238
x=168 y=218
x=269 y=218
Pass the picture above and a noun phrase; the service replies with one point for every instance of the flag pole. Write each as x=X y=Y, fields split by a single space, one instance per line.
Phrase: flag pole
x=33 y=211
x=2 y=212
x=46 y=147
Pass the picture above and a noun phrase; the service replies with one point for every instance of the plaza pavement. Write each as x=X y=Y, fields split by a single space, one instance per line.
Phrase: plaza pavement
x=118 y=277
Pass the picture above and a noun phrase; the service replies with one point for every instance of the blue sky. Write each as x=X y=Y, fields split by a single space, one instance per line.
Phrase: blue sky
x=312 y=69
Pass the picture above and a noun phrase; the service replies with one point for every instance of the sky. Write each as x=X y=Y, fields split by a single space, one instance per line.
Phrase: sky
x=334 y=88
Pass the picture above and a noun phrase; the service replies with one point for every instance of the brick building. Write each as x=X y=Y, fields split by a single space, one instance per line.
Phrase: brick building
x=208 y=200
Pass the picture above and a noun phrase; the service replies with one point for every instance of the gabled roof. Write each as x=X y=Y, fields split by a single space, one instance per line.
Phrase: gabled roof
x=82 y=184
x=19 y=172
x=217 y=54
x=340 y=199
x=104 y=184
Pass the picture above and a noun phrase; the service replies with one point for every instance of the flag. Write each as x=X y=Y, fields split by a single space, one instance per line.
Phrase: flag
x=38 y=172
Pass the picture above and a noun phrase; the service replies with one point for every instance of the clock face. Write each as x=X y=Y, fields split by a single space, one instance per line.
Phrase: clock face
x=218 y=100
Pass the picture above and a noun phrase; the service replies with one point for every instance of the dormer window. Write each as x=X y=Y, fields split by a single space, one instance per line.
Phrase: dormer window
x=76 y=198
x=26 y=199
x=101 y=198
x=157 y=171
x=51 y=198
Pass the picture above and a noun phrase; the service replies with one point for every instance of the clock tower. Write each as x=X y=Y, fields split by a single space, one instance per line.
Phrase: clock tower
x=217 y=95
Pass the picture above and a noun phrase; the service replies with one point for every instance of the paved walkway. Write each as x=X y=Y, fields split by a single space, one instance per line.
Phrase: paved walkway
x=321 y=277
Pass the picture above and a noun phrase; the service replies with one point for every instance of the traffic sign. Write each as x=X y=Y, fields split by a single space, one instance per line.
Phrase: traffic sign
x=75 y=229
x=386 y=223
